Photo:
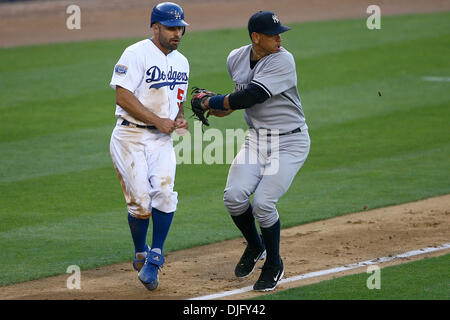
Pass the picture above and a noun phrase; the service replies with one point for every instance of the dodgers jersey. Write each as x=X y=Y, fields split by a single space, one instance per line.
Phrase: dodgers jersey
x=276 y=75
x=159 y=81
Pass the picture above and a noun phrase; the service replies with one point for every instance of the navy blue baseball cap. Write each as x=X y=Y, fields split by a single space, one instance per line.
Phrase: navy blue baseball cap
x=265 y=22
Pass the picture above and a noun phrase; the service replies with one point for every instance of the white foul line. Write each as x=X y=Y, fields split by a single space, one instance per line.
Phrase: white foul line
x=330 y=271
x=436 y=79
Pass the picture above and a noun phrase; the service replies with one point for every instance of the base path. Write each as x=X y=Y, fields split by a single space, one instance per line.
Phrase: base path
x=311 y=247
x=39 y=22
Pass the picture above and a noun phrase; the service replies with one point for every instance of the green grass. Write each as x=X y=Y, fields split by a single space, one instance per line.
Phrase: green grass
x=426 y=279
x=60 y=200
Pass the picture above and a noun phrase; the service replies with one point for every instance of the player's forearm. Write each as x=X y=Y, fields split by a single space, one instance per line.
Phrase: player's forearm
x=242 y=99
x=180 y=114
x=128 y=101
x=226 y=103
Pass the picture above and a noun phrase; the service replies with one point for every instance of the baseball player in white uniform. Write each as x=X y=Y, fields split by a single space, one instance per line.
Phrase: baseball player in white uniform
x=151 y=82
x=265 y=80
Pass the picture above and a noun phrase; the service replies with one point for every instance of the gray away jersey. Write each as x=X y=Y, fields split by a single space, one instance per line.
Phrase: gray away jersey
x=277 y=76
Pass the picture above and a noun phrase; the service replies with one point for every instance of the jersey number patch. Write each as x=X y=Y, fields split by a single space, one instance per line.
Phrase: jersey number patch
x=180 y=97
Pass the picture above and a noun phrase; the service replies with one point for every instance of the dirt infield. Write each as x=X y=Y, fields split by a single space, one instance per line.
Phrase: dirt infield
x=312 y=247
x=209 y=269
x=45 y=21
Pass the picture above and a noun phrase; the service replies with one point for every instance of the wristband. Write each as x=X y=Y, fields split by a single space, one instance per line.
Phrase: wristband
x=216 y=102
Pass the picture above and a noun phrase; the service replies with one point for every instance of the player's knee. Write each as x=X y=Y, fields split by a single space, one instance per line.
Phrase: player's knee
x=264 y=211
x=266 y=220
x=262 y=205
x=139 y=207
x=140 y=213
x=165 y=200
x=235 y=200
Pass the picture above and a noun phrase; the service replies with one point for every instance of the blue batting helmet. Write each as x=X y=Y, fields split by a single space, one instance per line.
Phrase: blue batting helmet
x=168 y=14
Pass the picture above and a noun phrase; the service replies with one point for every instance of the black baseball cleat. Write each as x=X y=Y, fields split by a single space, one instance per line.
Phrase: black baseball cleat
x=247 y=263
x=270 y=275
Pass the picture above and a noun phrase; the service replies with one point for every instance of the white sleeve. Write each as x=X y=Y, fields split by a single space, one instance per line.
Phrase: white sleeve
x=276 y=75
x=128 y=72
x=185 y=87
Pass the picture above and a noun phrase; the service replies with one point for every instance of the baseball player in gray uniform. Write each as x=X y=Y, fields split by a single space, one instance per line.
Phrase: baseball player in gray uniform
x=265 y=80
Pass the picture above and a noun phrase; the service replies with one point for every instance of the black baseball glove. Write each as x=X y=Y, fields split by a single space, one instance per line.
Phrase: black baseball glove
x=198 y=108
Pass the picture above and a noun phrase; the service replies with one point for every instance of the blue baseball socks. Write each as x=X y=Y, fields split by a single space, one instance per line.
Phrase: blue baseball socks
x=161 y=225
x=138 y=228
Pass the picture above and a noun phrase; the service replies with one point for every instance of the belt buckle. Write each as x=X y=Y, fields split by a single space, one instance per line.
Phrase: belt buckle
x=128 y=123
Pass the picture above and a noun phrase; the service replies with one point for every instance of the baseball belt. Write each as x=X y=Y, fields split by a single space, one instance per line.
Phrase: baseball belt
x=130 y=124
x=285 y=133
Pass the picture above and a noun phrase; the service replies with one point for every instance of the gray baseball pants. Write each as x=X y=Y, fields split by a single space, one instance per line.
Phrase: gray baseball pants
x=265 y=166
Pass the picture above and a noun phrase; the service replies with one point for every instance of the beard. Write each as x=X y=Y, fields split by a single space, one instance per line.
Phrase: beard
x=166 y=44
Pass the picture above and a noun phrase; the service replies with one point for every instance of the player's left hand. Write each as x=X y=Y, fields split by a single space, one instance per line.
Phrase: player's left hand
x=181 y=126
x=199 y=96
x=181 y=123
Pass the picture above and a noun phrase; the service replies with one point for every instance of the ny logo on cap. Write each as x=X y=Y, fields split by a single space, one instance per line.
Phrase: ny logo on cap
x=275 y=19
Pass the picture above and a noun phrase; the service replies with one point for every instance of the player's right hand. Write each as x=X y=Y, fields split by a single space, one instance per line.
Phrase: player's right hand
x=166 y=125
